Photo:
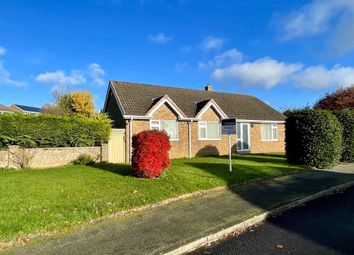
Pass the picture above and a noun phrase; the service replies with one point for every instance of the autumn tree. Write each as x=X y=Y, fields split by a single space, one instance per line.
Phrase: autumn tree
x=342 y=98
x=71 y=102
x=82 y=103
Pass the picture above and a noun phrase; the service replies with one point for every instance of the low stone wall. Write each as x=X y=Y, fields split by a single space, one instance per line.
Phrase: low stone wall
x=16 y=157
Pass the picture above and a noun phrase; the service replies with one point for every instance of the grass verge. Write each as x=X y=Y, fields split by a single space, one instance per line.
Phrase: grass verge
x=42 y=200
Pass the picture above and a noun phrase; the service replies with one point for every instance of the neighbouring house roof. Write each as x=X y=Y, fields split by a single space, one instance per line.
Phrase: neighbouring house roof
x=25 y=108
x=137 y=99
x=3 y=108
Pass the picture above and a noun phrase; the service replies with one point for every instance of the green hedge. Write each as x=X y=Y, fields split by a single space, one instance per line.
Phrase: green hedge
x=346 y=118
x=41 y=131
x=313 y=138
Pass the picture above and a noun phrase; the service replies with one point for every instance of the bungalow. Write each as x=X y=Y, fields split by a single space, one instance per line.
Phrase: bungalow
x=25 y=109
x=192 y=119
x=4 y=109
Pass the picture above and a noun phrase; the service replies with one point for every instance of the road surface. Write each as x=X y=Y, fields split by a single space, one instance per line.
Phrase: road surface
x=324 y=226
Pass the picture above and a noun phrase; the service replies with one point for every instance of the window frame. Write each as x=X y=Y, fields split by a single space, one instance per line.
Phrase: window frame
x=158 y=125
x=204 y=123
x=159 y=128
x=272 y=127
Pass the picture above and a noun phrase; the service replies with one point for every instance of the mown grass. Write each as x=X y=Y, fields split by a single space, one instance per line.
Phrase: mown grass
x=34 y=201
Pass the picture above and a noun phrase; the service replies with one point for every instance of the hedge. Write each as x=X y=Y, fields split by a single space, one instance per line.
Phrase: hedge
x=346 y=118
x=43 y=131
x=313 y=138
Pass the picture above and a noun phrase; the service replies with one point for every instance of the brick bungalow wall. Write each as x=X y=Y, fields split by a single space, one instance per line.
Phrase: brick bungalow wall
x=259 y=146
x=210 y=147
x=180 y=149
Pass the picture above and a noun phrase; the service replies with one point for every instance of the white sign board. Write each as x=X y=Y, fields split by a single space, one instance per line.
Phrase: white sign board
x=228 y=126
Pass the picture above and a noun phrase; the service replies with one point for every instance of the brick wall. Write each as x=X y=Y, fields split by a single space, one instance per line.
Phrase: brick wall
x=180 y=149
x=210 y=147
x=259 y=146
x=49 y=157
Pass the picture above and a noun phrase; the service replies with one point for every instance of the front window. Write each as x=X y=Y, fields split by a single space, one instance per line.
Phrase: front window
x=170 y=126
x=269 y=132
x=209 y=130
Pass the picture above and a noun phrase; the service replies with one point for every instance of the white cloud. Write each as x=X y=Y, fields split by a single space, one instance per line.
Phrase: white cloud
x=265 y=72
x=2 y=51
x=268 y=73
x=212 y=43
x=334 y=18
x=96 y=72
x=342 y=39
x=228 y=57
x=160 y=38
x=60 y=78
x=315 y=18
x=93 y=74
x=318 y=77
x=5 y=78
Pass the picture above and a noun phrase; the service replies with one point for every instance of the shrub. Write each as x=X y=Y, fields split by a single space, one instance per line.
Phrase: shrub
x=346 y=118
x=342 y=98
x=150 y=153
x=313 y=138
x=41 y=131
x=84 y=159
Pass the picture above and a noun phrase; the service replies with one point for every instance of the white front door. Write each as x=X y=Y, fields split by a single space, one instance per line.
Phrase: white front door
x=243 y=136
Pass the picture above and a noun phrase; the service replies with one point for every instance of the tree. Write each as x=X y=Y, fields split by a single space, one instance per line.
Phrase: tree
x=342 y=98
x=82 y=103
x=54 y=109
x=71 y=102
x=65 y=102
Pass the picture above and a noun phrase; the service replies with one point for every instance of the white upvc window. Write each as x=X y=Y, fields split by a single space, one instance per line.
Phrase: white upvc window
x=209 y=130
x=170 y=126
x=154 y=124
x=269 y=132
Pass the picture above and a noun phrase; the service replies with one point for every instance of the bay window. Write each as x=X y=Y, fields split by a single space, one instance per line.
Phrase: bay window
x=209 y=130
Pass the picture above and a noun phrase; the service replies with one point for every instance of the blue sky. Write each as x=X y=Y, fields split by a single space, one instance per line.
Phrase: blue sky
x=287 y=53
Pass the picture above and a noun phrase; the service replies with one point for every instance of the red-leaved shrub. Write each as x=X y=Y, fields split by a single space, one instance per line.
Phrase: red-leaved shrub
x=150 y=153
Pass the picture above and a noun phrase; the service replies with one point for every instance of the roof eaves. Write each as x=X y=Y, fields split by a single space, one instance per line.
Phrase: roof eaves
x=115 y=93
x=211 y=103
x=161 y=101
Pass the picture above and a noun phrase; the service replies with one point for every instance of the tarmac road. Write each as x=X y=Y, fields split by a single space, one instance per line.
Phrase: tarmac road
x=324 y=226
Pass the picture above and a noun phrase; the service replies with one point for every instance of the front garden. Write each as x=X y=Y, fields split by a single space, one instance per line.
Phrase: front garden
x=44 y=200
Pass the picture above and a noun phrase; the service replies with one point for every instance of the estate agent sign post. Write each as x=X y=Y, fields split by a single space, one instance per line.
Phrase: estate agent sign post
x=228 y=127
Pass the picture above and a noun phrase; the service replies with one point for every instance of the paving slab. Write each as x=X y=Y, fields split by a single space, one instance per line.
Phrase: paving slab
x=162 y=229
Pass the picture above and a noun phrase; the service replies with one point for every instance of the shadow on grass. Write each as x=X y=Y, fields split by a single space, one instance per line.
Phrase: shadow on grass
x=259 y=158
x=241 y=172
x=121 y=169
x=266 y=194
x=274 y=192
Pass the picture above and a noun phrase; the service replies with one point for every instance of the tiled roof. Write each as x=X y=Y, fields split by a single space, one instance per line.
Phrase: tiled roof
x=137 y=99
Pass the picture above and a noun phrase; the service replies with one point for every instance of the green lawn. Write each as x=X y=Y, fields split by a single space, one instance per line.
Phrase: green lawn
x=34 y=201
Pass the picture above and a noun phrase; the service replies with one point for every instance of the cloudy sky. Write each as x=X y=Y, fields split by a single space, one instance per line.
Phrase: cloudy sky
x=287 y=53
